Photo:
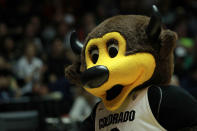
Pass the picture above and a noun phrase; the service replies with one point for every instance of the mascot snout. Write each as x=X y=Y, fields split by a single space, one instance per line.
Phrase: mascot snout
x=95 y=76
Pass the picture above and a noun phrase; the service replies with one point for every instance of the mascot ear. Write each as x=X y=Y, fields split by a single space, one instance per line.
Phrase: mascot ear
x=73 y=71
x=73 y=74
x=168 y=40
x=153 y=29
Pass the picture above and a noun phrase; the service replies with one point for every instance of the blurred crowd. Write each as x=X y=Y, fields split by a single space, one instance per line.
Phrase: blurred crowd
x=34 y=42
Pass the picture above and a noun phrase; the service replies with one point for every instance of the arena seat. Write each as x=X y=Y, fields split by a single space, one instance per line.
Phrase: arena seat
x=19 y=121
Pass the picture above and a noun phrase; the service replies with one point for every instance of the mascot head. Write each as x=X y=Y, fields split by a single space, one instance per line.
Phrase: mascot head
x=122 y=54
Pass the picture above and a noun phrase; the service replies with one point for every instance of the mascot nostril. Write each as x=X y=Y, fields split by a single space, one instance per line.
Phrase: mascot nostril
x=127 y=61
x=95 y=76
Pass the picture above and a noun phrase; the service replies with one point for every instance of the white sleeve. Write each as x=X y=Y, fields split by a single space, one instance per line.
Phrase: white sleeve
x=19 y=70
x=80 y=109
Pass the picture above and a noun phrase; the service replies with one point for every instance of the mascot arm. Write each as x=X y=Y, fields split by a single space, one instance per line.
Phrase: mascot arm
x=89 y=123
x=175 y=108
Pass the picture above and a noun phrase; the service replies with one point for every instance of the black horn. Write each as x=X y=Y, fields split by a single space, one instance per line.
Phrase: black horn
x=153 y=29
x=75 y=44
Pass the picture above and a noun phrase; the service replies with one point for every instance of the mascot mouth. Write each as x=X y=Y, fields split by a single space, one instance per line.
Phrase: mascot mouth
x=114 y=92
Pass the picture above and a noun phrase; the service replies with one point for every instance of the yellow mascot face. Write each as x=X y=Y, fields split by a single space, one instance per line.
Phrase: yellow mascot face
x=124 y=72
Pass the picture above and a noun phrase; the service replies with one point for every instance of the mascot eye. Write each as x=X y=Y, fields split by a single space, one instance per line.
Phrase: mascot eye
x=94 y=54
x=112 y=46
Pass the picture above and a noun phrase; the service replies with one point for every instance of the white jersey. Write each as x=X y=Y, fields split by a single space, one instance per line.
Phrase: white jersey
x=134 y=115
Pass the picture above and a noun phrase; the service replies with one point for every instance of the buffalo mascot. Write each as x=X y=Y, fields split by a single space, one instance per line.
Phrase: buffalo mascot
x=127 y=61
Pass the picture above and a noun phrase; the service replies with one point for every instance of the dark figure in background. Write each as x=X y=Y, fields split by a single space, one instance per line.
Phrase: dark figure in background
x=56 y=64
x=8 y=49
x=57 y=61
x=8 y=85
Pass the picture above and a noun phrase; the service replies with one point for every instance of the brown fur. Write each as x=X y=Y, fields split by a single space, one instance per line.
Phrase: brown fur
x=132 y=27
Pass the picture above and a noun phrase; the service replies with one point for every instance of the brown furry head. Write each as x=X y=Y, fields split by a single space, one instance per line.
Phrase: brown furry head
x=132 y=28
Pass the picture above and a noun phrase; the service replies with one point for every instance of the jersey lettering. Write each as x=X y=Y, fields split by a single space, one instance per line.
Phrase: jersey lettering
x=116 y=118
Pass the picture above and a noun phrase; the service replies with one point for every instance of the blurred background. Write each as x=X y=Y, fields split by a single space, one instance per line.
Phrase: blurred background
x=34 y=51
